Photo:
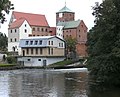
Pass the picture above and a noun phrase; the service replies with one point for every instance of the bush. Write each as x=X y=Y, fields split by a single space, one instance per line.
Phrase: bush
x=11 y=60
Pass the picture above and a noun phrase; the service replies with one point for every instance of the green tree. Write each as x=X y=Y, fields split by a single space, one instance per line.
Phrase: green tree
x=71 y=46
x=3 y=42
x=104 y=43
x=5 y=7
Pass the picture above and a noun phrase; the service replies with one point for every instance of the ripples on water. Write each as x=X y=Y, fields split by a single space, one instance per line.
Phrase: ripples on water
x=47 y=83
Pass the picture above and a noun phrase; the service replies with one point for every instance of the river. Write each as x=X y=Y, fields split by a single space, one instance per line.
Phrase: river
x=49 y=83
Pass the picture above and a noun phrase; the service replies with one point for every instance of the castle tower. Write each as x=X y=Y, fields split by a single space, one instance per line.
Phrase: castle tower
x=64 y=15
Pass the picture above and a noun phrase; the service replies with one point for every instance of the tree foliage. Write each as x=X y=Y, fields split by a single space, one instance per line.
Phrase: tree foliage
x=5 y=7
x=104 y=43
x=71 y=47
x=3 y=42
x=71 y=44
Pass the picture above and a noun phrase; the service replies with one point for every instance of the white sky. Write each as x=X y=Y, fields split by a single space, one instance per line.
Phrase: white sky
x=82 y=9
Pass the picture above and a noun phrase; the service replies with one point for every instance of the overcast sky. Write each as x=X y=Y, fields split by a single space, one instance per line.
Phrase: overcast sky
x=82 y=9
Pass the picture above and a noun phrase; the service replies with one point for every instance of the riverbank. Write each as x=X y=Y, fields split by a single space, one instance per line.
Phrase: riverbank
x=67 y=64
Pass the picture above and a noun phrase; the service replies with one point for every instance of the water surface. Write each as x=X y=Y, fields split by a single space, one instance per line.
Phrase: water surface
x=48 y=83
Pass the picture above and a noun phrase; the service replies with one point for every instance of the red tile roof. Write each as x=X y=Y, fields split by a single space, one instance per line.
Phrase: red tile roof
x=17 y=23
x=33 y=19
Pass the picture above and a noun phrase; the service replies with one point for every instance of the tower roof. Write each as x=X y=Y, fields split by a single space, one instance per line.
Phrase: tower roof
x=65 y=9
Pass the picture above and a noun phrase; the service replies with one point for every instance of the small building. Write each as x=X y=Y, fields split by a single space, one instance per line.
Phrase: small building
x=41 y=51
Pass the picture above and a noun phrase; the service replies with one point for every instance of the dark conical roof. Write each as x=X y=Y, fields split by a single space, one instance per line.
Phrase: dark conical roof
x=65 y=9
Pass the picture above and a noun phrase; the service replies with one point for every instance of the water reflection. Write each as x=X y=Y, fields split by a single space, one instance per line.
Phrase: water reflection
x=45 y=83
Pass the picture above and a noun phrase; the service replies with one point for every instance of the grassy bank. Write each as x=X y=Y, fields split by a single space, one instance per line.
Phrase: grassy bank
x=61 y=63
x=6 y=65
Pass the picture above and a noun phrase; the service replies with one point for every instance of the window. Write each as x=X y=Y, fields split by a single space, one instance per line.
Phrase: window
x=46 y=30
x=31 y=50
x=79 y=35
x=28 y=59
x=27 y=51
x=79 y=30
x=25 y=30
x=26 y=42
x=15 y=39
x=33 y=29
x=52 y=51
x=11 y=40
x=40 y=42
x=11 y=31
x=51 y=42
x=15 y=30
x=49 y=51
x=39 y=59
x=40 y=50
x=48 y=42
x=61 y=44
x=36 y=50
x=31 y=42
x=36 y=42
x=25 y=25
x=42 y=30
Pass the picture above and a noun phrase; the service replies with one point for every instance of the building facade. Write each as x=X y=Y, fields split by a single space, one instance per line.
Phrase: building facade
x=68 y=27
x=41 y=51
x=23 y=25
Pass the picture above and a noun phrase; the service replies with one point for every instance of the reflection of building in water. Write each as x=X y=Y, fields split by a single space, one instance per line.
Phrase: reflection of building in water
x=47 y=84
x=4 y=84
x=15 y=86
x=36 y=84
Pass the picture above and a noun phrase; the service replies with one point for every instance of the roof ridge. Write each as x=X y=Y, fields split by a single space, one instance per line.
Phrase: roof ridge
x=28 y=13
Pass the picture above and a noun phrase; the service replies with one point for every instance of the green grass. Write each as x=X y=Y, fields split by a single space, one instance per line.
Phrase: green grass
x=6 y=65
x=61 y=63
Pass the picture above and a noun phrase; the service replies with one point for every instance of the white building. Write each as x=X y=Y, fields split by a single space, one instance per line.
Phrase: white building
x=22 y=25
x=41 y=51
x=59 y=31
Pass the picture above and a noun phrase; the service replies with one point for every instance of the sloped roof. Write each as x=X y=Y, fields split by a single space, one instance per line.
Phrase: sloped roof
x=69 y=24
x=43 y=38
x=16 y=23
x=65 y=9
x=33 y=19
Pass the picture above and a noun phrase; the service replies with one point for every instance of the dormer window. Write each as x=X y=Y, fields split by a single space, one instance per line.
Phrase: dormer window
x=31 y=42
x=40 y=42
x=26 y=42
x=11 y=31
x=36 y=42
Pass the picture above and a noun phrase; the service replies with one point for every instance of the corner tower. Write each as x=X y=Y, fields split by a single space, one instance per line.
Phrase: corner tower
x=64 y=15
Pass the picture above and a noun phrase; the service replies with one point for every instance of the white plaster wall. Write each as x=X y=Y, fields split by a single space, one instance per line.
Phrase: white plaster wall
x=56 y=42
x=22 y=32
x=11 y=44
x=54 y=60
x=34 y=61
x=59 y=31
